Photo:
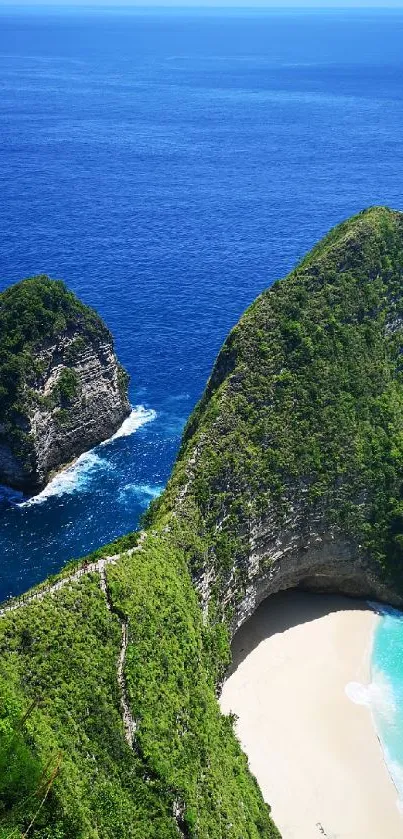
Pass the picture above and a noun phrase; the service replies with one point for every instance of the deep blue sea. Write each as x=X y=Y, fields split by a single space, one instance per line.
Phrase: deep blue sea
x=170 y=165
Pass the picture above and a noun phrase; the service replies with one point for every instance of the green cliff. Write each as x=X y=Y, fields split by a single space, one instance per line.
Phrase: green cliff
x=62 y=389
x=290 y=474
x=298 y=439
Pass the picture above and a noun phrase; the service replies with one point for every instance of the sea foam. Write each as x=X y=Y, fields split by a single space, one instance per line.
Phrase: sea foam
x=138 y=417
x=79 y=475
x=73 y=478
x=385 y=611
x=377 y=696
x=384 y=696
x=143 y=492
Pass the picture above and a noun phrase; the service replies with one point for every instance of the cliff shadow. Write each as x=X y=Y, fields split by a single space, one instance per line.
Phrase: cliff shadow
x=283 y=611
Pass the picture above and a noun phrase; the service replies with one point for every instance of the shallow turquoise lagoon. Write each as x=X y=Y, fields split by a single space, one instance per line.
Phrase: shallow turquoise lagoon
x=386 y=692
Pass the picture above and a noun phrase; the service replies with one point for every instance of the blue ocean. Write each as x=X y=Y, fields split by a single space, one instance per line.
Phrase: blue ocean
x=170 y=165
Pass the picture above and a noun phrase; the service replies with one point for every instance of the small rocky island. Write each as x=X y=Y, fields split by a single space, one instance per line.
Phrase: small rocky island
x=62 y=389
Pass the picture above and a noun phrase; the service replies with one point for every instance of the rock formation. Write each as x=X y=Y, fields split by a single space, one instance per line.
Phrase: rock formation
x=290 y=474
x=291 y=469
x=63 y=388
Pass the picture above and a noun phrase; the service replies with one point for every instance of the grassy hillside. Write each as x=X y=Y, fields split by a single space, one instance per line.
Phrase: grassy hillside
x=64 y=761
x=305 y=397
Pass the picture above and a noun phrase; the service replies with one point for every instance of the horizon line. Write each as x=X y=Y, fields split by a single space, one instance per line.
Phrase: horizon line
x=318 y=4
x=211 y=6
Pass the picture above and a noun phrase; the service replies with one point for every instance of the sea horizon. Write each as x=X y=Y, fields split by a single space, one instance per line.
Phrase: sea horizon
x=170 y=164
x=197 y=9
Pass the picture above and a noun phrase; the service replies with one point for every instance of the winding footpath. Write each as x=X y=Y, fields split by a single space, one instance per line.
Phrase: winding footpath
x=128 y=721
x=129 y=724
x=92 y=568
x=98 y=567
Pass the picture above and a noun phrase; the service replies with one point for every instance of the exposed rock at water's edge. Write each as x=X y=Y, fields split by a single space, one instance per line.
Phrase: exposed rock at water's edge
x=65 y=390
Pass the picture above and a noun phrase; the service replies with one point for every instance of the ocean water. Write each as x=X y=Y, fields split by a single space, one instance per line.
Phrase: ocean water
x=169 y=166
x=387 y=693
x=384 y=695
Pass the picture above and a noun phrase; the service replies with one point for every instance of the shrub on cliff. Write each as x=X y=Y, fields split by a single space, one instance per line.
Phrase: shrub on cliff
x=30 y=312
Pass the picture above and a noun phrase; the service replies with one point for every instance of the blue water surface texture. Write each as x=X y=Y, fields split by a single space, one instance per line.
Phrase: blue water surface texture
x=169 y=165
x=386 y=693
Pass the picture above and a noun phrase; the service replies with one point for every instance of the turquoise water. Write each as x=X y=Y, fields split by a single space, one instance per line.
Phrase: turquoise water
x=386 y=692
x=384 y=695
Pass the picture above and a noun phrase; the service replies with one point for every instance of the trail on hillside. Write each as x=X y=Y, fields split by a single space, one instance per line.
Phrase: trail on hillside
x=98 y=567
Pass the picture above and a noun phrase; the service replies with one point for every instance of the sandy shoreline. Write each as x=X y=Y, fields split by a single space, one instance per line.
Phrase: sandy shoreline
x=314 y=753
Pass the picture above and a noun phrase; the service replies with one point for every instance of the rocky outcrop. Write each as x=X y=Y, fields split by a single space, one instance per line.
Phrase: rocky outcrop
x=72 y=397
x=290 y=475
x=302 y=554
x=291 y=468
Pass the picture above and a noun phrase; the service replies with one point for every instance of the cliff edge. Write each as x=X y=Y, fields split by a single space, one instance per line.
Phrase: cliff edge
x=290 y=475
x=291 y=467
x=62 y=388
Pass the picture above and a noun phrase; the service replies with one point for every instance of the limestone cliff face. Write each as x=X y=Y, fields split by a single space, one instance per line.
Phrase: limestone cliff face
x=291 y=469
x=72 y=396
x=304 y=554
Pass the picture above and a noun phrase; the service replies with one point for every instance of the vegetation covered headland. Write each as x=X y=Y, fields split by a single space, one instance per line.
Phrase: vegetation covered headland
x=62 y=389
x=290 y=474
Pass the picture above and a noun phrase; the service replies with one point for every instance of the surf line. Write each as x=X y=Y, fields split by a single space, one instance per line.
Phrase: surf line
x=71 y=477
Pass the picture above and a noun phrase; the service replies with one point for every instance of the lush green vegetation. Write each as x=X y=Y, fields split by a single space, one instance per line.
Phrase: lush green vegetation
x=73 y=774
x=61 y=655
x=305 y=402
x=30 y=312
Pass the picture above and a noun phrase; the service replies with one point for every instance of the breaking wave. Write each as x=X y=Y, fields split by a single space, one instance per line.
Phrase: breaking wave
x=378 y=696
x=385 y=611
x=79 y=475
x=73 y=478
x=144 y=493
x=384 y=696
x=138 y=417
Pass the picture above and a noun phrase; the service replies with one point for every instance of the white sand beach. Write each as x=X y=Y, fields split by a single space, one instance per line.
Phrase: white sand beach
x=314 y=752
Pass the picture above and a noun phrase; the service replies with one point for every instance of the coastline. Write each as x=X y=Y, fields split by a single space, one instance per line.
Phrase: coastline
x=137 y=416
x=315 y=753
x=64 y=479
x=386 y=705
